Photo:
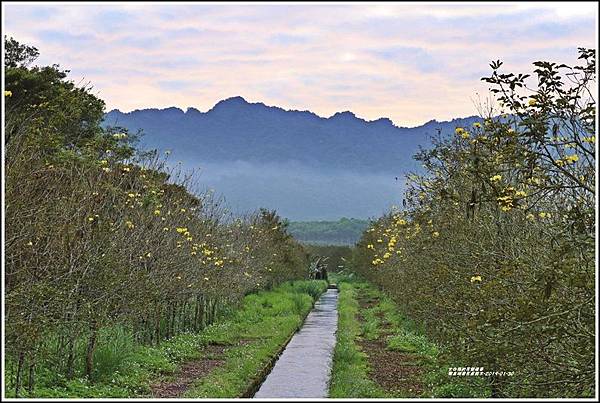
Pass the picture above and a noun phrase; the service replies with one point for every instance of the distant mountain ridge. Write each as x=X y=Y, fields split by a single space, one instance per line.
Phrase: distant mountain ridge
x=234 y=129
x=306 y=166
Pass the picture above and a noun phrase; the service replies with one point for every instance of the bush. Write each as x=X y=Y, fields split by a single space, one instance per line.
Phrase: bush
x=494 y=250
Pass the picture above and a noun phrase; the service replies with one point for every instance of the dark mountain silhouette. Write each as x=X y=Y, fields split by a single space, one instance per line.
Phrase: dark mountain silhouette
x=236 y=130
x=307 y=166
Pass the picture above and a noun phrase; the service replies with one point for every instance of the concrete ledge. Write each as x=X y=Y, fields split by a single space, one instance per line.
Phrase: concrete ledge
x=264 y=372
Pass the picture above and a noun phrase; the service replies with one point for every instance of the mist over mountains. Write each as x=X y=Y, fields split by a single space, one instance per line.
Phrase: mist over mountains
x=306 y=166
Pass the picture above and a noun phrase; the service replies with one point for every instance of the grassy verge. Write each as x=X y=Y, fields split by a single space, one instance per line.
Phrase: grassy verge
x=381 y=353
x=349 y=375
x=253 y=334
x=268 y=320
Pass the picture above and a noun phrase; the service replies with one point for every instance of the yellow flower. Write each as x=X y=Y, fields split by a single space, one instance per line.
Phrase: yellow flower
x=475 y=278
x=435 y=234
x=104 y=162
x=520 y=193
x=477 y=125
x=496 y=178
x=532 y=102
x=131 y=195
x=572 y=158
x=90 y=219
x=181 y=230
x=156 y=212
x=8 y=93
x=544 y=215
x=530 y=216
x=165 y=229
x=462 y=133
x=29 y=243
x=126 y=169
x=205 y=278
x=106 y=169
x=129 y=224
x=182 y=210
x=387 y=255
x=591 y=139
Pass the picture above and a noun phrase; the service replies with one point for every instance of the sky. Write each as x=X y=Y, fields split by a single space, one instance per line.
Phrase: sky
x=410 y=62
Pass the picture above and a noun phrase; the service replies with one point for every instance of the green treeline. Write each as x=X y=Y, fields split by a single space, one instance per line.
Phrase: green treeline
x=494 y=251
x=101 y=239
x=345 y=231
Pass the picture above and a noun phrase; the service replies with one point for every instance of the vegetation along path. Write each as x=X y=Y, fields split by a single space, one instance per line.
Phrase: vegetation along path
x=304 y=367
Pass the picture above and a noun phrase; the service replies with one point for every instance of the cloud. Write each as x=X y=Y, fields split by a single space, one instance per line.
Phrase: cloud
x=408 y=62
x=419 y=58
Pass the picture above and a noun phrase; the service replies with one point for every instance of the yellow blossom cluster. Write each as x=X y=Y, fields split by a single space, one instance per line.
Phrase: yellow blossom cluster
x=462 y=133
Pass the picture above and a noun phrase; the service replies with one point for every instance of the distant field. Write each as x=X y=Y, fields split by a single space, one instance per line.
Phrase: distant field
x=346 y=231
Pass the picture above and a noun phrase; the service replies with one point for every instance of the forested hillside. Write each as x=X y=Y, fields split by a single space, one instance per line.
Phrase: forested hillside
x=346 y=231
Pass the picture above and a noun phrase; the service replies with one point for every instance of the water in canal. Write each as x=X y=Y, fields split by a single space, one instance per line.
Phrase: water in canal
x=303 y=369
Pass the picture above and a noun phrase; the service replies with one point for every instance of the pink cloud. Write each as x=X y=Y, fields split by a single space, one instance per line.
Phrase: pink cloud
x=325 y=58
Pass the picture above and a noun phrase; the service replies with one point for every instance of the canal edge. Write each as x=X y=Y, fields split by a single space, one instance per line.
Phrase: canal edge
x=262 y=376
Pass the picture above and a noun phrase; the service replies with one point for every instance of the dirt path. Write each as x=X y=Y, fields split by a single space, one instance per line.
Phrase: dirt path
x=212 y=357
x=395 y=371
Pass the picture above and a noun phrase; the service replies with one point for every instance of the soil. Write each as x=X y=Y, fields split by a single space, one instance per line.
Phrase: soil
x=395 y=371
x=366 y=303
x=190 y=372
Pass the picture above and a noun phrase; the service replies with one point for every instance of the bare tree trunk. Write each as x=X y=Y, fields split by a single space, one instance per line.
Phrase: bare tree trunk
x=157 y=324
x=71 y=356
x=19 y=373
x=91 y=347
x=31 y=375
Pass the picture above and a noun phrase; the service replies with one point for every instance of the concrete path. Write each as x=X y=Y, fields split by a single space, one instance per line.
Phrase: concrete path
x=303 y=369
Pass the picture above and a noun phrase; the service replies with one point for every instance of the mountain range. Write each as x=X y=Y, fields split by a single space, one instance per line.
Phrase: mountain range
x=306 y=166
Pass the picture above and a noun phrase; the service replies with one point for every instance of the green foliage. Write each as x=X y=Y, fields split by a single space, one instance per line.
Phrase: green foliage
x=17 y=54
x=345 y=231
x=493 y=253
x=314 y=288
